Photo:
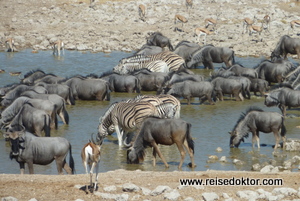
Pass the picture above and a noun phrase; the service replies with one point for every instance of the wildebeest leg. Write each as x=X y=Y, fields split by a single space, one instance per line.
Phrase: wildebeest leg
x=255 y=138
x=67 y=167
x=182 y=153
x=283 y=109
x=190 y=153
x=277 y=139
x=30 y=166
x=154 y=156
x=22 y=167
x=60 y=163
x=154 y=145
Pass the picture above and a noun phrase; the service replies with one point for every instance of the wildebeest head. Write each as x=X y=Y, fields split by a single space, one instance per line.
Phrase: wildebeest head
x=134 y=157
x=270 y=101
x=235 y=139
x=16 y=139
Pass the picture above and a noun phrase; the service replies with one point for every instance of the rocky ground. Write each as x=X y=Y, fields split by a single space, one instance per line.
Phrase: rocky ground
x=115 y=25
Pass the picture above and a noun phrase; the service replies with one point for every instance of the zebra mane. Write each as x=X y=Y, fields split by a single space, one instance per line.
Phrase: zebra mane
x=108 y=111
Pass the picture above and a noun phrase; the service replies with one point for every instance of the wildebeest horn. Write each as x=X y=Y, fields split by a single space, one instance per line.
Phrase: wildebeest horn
x=127 y=145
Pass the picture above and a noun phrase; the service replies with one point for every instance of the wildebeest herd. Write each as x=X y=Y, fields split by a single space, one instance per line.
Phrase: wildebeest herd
x=32 y=107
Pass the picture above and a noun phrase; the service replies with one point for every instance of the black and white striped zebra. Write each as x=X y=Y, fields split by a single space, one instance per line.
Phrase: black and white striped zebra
x=127 y=117
x=154 y=63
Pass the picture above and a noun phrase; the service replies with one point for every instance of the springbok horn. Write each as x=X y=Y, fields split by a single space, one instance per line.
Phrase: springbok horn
x=92 y=138
x=127 y=145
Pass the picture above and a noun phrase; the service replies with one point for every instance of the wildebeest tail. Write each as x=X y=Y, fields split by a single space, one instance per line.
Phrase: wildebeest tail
x=137 y=86
x=189 y=137
x=283 y=129
x=170 y=46
x=47 y=122
x=71 y=160
x=71 y=97
x=65 y=114
x=243 y=91
x=107 y=95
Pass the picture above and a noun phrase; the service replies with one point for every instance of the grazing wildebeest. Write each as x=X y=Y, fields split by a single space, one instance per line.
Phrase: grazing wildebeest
x=240 y=70
x=148 y=50
x=259 y=85
x=90 y=155
x=283 y=97
x=150 y=81
x=156 y=131
x=254 y=121
x=246 y=84
x=274 y=71
x=50 y=78
x=204 y=90
x=227 y=86
x=59 y=103
x=12 y=110
x=27 y=148
x=89 y=88
x=122 y=83
x=185 y=49
x=62 y=90
x=210 y=54
x=285 y=46
x=31 y=76
x=32 y=119
x=180 y=77
x=159 y=40
x=15 y=92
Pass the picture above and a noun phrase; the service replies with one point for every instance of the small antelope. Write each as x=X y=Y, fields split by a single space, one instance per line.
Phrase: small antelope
x=247 y=22
x=267 y=20
x=295 y=23
x=202 y=32
x=142 y=12
x=181 y=19
x=189 y=4
x=255 y=29
x=90 y=155
x=210 y=21
x=10 y=44
x=57 y=46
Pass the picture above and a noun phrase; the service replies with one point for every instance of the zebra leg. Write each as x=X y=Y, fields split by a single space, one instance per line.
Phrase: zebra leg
x=119 y=134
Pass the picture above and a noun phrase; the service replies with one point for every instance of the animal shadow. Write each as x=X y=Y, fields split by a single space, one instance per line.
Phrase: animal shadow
x=90 y=188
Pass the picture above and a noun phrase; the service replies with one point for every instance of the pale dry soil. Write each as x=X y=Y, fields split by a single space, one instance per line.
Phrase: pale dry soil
x=61 y=187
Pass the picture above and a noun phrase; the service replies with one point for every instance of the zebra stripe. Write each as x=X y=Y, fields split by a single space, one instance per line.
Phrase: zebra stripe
x=126 y=117
x=172 y=60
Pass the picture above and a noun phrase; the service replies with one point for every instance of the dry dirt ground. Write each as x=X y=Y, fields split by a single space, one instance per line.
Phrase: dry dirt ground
x=61 y=187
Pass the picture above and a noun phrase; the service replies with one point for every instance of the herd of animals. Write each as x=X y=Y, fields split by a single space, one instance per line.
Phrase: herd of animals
x=32 y=107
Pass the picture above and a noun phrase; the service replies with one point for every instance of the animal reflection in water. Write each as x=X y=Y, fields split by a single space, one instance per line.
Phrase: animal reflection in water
x=156 y=131
x=90 y=155
x=255 y=120
x=27 y=148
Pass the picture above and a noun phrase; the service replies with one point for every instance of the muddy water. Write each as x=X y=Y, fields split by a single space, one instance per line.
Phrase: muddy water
x=210 y=123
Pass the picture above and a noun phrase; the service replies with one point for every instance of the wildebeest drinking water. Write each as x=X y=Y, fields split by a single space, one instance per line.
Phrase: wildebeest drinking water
x=27 y=148
x=156 y=131
x=285 y=46
x=254 y=121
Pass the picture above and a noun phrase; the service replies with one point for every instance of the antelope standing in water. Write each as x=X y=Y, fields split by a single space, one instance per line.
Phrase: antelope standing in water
x=202 y=32
x=295 y=23
x=142 y=12
x=10 y=44
x=90 y=155
x=57 y=46
x=247 y=22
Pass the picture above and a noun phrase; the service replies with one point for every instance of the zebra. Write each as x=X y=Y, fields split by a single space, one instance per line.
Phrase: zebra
x=124 y=117
x=153 y=66
x=173 y=61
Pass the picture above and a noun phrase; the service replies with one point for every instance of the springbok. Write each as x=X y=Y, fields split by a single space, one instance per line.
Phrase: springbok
x=9 y=43
x=90 y=155
x=142 y=12
x=255 y=29
x=210 y=21
x=267 y=20
x=181 y=19
x=188 y=4
x=202 y=32
x=247 y=22
x=295 y=23
x=57 y=46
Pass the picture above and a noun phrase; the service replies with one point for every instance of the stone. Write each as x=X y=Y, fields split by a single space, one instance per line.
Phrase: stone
x=129 y=187
x=172 y=195
x=210 y=196
x=9 y=198
x=110 y=188
x=159 y=190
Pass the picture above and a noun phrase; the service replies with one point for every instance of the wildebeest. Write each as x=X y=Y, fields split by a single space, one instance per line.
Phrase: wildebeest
x=156 y=131
x=240 y=70
x=210 y=54
x=89 y=88
x=50 y=78
x=227 y=86
x=12 y=110
x=122 y=83
x=285 y=46
x=158 y=39
x=90 y=155
x=256 y=120
x=283 y=97
x=31 y=76
x=27 y=148
x=274 y=71
x=149 y=50
x=16 y=91
x=259 y=85
x=246 y=84
x=185 y=49
x=180 y=77
x=150 y=81
x=32 y=119
x=204 y=90
x=62 y=90
x=59 y=103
